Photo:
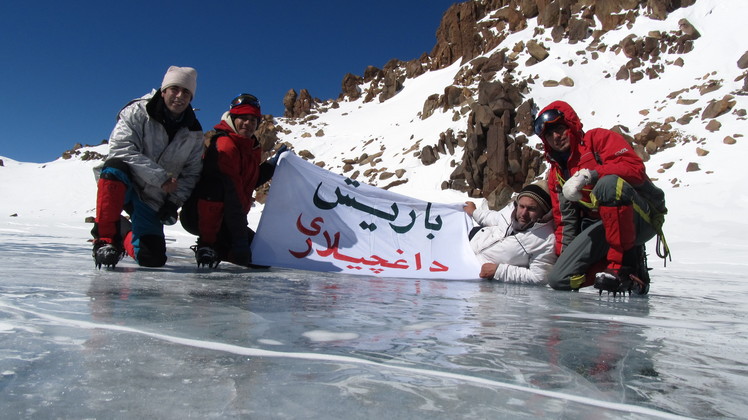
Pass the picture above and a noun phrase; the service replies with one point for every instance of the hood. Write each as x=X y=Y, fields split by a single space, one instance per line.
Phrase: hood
x=572 y=120
x=226 y=124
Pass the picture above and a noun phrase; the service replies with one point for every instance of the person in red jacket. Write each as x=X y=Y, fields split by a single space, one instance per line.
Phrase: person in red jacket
x=604 y=204
x=232 y=170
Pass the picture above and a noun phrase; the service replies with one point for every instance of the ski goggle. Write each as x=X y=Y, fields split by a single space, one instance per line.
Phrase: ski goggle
x=246 y=99
x=549 y=117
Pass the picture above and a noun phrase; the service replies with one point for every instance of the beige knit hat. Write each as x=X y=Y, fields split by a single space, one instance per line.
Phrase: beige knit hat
x=184 y=77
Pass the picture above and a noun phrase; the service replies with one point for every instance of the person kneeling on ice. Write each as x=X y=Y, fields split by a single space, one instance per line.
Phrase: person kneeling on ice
x=152 y=167
x=232 y=170
x=515 y=244
x=604 y=205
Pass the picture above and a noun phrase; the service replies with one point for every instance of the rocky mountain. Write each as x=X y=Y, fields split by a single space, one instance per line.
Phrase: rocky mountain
x=493 y=94
x=460 y=117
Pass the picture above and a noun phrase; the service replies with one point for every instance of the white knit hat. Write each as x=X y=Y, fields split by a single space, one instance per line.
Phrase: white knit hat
x=184 y=77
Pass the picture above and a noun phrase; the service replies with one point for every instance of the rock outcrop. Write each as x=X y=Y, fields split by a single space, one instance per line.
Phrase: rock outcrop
x=496 y=157
x=497 y=160
x=298 y=106
x=83 y=154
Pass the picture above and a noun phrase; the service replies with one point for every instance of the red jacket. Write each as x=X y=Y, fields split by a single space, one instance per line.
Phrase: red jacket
x=599 y=149
x=239 y=160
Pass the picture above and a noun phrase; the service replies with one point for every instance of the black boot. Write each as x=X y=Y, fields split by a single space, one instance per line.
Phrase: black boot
x=106 y=254
x=205 y=255
x=640 y=271
x=632 y=277
x=616 y=281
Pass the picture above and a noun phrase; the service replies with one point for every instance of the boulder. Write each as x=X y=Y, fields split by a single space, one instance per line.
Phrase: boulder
x=428 y=155
x=303 y=104
x=536 y=50
x=743 y=61
x=713 y=125
x=267 y=133
x=429 y=106
x=351 y=86
x=549 y=13
x=579 y=30
x=457 y=36
x=372 y=73
x=528 y=8
x=393 y=83
x=688 y=30
x=717 y=108
x=297 y=105
x=289 y=99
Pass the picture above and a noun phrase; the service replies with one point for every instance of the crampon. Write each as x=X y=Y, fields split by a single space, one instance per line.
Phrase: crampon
x=205 y=256
x=106 y=254
x=626 y=279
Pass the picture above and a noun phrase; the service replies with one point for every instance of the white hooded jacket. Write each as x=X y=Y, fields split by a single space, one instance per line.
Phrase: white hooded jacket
x=522 y=257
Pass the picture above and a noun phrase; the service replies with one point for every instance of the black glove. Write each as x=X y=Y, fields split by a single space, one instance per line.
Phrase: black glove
x=274 y=160
x=168 y=213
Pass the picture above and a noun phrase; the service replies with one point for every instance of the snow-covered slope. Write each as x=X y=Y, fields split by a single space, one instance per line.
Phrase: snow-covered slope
x=600 y=99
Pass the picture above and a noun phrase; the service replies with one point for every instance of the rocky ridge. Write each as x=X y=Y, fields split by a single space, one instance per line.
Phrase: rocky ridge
x=495 y=156
x=494 y=152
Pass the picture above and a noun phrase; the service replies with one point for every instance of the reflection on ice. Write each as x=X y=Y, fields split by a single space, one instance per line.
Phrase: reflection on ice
x=417 y=380
x=179 y=342
x=650 y=322
x=321 y=335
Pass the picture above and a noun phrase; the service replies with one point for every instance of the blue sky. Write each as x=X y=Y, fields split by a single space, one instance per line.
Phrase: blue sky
x=66 y=68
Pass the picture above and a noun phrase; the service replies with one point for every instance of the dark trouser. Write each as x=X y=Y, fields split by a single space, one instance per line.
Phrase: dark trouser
x=146 y=243
x=607 y=242
x=206 y=220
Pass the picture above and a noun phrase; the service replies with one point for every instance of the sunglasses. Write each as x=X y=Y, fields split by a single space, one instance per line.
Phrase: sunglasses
x=549 y=117
x=246 y=99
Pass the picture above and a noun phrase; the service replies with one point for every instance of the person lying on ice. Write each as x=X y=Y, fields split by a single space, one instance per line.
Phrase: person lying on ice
x=515 y=244
x=152 y=167
x=232 y=170
x=604 y=204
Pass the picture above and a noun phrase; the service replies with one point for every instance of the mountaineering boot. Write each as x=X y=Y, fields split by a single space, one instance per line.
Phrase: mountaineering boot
x=106 y=254
x=615 y=281
x=205 y=256
x=640 y=277
x=632 y=277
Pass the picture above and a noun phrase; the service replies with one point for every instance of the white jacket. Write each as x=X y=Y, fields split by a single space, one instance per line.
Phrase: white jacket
x=525 y=257
x=141 y=141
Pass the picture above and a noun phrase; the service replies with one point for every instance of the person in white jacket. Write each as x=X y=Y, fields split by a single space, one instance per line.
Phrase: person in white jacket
x=153 y=164
x=515 y=244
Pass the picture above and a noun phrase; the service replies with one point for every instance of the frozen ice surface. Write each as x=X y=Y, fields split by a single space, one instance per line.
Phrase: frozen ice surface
x=182 y=342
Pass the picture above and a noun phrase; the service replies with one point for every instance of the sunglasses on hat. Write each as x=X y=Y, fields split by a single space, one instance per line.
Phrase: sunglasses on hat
x=246 y=99
x=549 y=117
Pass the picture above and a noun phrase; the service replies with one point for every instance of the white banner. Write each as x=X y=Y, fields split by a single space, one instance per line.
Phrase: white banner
x=320 y=221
